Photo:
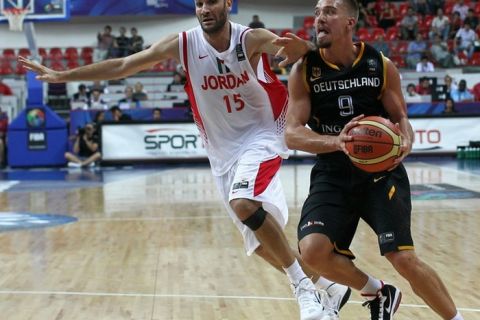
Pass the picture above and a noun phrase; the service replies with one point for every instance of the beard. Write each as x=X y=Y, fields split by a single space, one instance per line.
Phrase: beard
x=217 y=26
x=323 y=43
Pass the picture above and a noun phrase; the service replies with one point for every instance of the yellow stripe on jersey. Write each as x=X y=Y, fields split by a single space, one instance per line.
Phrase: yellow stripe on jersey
x=360 y=54
x=391 y=193
x=331 y=65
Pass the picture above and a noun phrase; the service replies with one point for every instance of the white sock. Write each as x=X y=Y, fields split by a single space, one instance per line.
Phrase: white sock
x=323 y=283
x=458 y=316
x=371 y=287
x=295 y=272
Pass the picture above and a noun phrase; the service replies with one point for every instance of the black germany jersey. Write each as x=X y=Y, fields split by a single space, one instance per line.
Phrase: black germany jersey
x=338 y=95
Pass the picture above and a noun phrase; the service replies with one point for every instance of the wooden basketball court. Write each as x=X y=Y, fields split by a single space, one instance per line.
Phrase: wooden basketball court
x=157 y=244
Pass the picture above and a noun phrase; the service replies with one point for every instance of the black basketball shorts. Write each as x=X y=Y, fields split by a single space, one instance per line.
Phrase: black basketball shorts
x=341 y=195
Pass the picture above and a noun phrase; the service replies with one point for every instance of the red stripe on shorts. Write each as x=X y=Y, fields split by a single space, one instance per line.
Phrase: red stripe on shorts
x=265 y=174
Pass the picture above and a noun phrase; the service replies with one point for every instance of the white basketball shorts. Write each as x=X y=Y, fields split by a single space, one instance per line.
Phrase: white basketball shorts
x=254 y=176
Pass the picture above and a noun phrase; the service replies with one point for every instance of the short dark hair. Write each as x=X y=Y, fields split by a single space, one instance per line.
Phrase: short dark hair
x=115 y=108
x=352 y=6
x=157 y=109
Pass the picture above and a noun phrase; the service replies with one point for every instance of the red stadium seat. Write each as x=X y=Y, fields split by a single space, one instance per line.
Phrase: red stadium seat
x=55 y=53
x=303 y=34
x=402 y=47
x=24 y=52
x=57 y=65
x=308 y=22
x=72 y=64
x=159 y=67
x=363 y=34
x=86 y=53
x=476 y=91
x=9 y=54
x=399 y=61
x=20 y=70
x=6 y=68
x=477 y=8
x=372 y=21
x=392 y=34
x=285 y=31
x=475 y=59
x=377 y=32
x=403 y=8
x=448 y=8
x=71 y=53
x=42 y=52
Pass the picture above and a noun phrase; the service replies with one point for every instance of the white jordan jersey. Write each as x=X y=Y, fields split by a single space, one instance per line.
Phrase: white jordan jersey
x=235 y=107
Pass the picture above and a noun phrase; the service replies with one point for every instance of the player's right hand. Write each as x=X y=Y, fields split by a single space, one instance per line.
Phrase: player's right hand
x=43 y=73
x=344 y=137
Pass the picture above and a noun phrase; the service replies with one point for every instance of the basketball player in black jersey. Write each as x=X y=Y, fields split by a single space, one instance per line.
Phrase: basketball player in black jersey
x=330 y=90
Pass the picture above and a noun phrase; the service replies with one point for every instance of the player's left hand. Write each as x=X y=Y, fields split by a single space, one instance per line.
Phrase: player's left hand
x=405 y=148
x=292 y=48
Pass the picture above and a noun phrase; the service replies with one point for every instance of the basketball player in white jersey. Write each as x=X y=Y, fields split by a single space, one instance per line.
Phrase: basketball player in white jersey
x=239 y=107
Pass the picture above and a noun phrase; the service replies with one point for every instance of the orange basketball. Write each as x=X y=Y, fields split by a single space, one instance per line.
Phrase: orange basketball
x=375 y=145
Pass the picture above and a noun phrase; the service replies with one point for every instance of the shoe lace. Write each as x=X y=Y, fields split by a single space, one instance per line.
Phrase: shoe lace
x=374 y=306
x=327 y=304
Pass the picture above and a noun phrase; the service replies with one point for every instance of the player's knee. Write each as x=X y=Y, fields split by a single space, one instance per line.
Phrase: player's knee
x=244 y=208
x=315 y=250
x=405 y=262
x=255 y=220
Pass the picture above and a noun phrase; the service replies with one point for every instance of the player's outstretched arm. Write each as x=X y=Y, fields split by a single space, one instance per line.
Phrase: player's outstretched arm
x=396 y=107
x=109 y=69
x=291 y=47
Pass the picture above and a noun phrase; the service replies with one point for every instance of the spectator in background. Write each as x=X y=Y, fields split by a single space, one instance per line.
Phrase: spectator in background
x=5 y=90
x=424 y=88
x=177 y=83
x=415 y=50
x=440 y=25
x=409 y=25
x=461 y=8
x=455 y=24
x=122 y=44
x=461 y=93
x=128 y=101
x=420 y=7
x=97 y=85
x=435 y=5
x=471 y=19
x=411 y=94
x=96 y=100
x=85 y=148
x=440 y=53
x=465 y=40
x=449 y=85
x=136 y=41
x=139 y=93
x=104 y=44
x=411 y=90
x=424 y=65
x=82 y=95
x=157 y=114
x=382 y=46
x=256 y=23
x=99 y=118
x=449 y=108
x=386 y=19
x=118 y=115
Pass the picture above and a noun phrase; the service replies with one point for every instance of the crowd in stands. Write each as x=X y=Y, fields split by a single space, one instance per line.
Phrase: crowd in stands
x=110 y=46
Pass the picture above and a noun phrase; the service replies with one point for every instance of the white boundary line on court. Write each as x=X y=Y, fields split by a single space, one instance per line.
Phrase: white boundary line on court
x=186 y=296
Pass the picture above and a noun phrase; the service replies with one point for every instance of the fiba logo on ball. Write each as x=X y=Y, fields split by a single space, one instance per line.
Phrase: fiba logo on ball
x=36 y=118
x=375 y=145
